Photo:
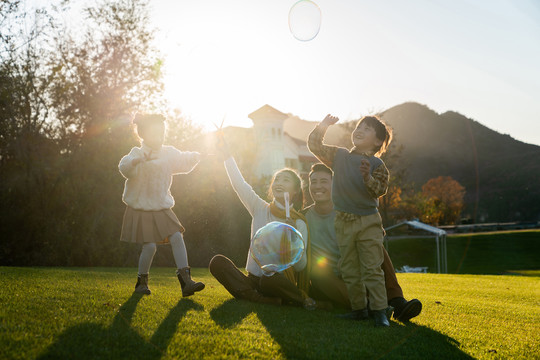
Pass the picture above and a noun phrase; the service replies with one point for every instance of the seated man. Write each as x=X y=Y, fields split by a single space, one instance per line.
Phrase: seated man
x=326 y=283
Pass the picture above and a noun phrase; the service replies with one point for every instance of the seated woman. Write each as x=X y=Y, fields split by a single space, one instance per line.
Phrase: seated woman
x=289 y=286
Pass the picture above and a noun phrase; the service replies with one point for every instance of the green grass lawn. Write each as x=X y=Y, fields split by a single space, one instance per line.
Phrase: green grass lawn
x=481 y=253
x=88 y=313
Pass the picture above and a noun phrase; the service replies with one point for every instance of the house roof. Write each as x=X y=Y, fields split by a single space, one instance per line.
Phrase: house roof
x=266 y=112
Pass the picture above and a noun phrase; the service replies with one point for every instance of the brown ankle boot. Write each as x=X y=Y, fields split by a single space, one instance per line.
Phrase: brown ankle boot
x=142 y=285
x=189 y=287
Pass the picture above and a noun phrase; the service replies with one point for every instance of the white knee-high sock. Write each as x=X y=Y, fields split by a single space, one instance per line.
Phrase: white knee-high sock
x=179 y=250
x=147 y=255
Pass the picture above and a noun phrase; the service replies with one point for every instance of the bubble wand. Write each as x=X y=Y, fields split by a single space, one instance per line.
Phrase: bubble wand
x=286 y=243
x=287 y=211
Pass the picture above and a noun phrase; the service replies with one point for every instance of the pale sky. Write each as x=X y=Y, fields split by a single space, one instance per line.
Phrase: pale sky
x=480 y=58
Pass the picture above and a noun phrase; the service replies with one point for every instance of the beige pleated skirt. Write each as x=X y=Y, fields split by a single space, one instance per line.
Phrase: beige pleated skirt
x=141 y=226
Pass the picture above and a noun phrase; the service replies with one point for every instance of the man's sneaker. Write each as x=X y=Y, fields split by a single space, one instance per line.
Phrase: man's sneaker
x=388 y=311
x=408 y=310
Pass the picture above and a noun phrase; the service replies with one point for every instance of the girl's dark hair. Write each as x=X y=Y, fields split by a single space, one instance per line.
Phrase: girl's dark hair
x=142 y=122
x=382 y=131
x=298 y=199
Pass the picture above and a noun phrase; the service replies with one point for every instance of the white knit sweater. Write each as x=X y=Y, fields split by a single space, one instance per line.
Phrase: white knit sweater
x=260 y=213
x=148 y=184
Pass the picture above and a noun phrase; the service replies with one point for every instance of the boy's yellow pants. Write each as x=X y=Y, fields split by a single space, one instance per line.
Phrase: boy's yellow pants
x=360 y=243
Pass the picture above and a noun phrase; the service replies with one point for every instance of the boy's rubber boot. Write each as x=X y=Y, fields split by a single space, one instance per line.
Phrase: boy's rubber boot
x=389 y=312
x=142 y=285
x=380 y=318
x=189 y=287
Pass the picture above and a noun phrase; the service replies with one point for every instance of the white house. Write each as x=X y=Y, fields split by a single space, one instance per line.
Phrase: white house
x=277 y=149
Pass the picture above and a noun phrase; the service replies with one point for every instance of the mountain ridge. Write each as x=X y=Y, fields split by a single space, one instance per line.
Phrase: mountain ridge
x=501 y=174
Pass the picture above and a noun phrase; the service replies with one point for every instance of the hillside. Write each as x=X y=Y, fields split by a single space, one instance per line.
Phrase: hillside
x=505 y=171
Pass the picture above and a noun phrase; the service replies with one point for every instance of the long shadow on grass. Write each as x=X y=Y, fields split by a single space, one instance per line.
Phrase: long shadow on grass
x=231 y=313
x=120 y=340
x=320 y=335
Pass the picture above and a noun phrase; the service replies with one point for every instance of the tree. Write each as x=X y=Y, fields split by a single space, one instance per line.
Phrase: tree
x=100 y=79
x=442 y=200
x=24 y=108
x=107 y=73
x=28 y=152
x=181 y=129
x=65 y=104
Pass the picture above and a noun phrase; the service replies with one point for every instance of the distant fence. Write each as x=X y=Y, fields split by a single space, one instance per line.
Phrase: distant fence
x=468 y=228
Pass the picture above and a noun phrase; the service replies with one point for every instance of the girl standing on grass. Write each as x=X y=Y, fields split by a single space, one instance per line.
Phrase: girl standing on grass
x=149 y=219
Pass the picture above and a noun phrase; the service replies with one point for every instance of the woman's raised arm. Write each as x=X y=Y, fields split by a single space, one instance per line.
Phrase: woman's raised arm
x=245 y=192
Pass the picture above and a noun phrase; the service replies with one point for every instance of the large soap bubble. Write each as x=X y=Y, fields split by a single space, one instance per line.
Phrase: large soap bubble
x=305 y=20
x=276 y=247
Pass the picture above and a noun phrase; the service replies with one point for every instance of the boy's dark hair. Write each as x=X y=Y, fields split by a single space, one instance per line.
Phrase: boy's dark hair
x=382 y=131
x=320 y=167
x=142 y=122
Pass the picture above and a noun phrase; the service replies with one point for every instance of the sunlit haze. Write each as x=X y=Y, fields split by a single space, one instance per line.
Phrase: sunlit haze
x=479 y=58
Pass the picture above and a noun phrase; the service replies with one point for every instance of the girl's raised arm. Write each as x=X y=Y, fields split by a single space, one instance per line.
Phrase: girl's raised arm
x=182 y=162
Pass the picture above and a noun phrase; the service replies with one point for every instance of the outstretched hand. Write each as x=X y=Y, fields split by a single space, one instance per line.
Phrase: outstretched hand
x=329 y=120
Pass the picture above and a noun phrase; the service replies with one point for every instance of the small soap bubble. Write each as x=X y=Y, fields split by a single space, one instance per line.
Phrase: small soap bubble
x=276 y=247
x=305 y=20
